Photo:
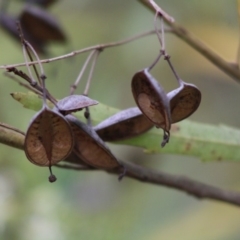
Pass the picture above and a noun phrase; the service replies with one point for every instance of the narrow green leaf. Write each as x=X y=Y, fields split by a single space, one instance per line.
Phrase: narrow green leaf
x=30 y=100
x=208 y=142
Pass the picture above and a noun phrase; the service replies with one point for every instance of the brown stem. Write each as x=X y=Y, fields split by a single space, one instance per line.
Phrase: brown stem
x=227 y=67
x=15 y=138
x=11 y=136
x=187 y=185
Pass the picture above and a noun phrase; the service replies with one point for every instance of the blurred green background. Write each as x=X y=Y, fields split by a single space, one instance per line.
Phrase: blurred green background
x=94 y=205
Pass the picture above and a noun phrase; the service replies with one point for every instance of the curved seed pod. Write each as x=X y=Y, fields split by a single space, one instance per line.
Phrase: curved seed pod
x=152 y=101
x=184 y=101
x=123 y=125
x=8 y=23
x=89 y=147
x=74 y=103
x=49 y=138
x=41 y=24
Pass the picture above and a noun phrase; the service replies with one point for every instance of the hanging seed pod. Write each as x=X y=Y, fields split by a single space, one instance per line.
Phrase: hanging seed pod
x=125 y=124
x=41 y=24
x=89 y=147
x=74 y=103
x=48 y=139
x=8 y=23
x=152 y=101
x=184 y=101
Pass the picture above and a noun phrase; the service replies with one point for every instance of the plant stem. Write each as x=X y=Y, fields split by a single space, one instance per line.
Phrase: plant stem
x=227 y=67
x=15 y=138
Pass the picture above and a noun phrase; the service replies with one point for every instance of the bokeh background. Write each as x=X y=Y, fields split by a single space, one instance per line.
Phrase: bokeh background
x=94 y=205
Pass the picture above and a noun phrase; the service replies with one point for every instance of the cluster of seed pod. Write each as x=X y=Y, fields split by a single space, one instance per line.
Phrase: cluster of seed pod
x=164 y=109
x=55 y=134
x=38 y=25
x=160 y=108
x=155 y=108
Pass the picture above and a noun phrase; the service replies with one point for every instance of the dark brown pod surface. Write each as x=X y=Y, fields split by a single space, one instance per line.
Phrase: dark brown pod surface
x=74 y=103
x=74 y=158
x=41 y=24
x=184 y=101
x=89 y=147
x=151 y=99
x=49 y=138
x=8 y=23
x=123 y=125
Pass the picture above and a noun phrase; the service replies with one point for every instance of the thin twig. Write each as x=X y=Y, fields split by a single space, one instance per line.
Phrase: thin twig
x=91 y=73
x=36 y=86
x=33 y=81
x=162 y=34
x=155 y=61
x=36 y=56
x=27 y=86
x=74 y=86
x=42 y=76
x=13 y=137
x=166 y=16
x=159 y=35
x=87 y=49
x=87 y=111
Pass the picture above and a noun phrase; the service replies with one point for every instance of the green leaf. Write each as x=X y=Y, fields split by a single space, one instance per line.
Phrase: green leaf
x=30 y=100
x=208 y=142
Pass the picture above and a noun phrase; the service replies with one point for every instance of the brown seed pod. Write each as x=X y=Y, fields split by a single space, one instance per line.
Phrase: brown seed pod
x=74 y=103
x=89 y=147
x=8 y=23
x=184 y=101
x=152 y=101
x=49 y=138
x=125 y=124
x=41 y=25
